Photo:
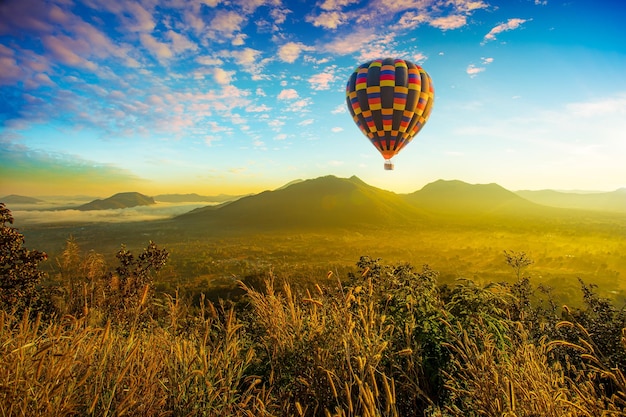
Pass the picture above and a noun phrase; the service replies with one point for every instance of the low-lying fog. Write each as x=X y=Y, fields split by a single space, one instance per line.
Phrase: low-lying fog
x=54 y=213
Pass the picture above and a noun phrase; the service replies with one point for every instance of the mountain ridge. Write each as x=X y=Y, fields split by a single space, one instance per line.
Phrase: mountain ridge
x=19 y=199
x=458 y=197
x=322 y=202
x=195 y=198
x=117 y=201
x=613 y=201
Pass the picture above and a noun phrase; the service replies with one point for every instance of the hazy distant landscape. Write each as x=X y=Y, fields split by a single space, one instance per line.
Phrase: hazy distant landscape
x=307 y=228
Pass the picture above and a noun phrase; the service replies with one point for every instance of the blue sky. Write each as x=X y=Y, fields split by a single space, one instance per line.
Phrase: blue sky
x=237 y=96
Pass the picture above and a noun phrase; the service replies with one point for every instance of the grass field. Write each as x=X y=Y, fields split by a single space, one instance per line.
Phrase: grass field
x=211 y=260
x=298 y=322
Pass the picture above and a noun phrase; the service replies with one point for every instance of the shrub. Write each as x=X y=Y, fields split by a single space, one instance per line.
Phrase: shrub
x=19 y=270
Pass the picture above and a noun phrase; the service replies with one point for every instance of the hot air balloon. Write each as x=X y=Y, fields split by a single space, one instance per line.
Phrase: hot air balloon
x=390 y=101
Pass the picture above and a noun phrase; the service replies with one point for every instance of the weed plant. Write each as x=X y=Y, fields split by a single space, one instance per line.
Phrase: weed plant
x=385 y=340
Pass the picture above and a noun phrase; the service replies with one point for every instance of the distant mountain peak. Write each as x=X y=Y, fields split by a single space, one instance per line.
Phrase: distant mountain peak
x=117 y=201
x=321 y=202
x=19 y=199
x=455 y=196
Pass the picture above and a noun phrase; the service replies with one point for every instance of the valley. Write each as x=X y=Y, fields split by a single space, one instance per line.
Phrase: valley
x=315 y=231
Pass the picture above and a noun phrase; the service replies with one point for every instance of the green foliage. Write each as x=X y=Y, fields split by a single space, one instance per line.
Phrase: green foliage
x=133 y=283
x=384 y=339
x=19 y=269
x=123 y=296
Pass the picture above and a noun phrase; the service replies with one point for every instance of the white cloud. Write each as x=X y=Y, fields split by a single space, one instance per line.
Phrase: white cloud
x=246 y=57
x=300 y=105
x=472 y=70
x=222 y=77
x=328 y=20
x=290 y=51
x=225 y=24
x=142 y=20
x=159 y=49
x=336 y=129
x=249 y=60
x=336 y=4
x=599 y=108
x=237 y=119
x=180 y=43
x=449 y=22
x=511 y=24
x=210 y=139
x=419 y=58
x=10 y=72
x=339 y=109
x=69 y=51
x=352 y=42
x=288 y=94
x=275 y=124
x=239 y=39
x=469 y=5
x=209 y=60
x=279 y=15
x=321 y=81
x=258 y=108
x=411 y=19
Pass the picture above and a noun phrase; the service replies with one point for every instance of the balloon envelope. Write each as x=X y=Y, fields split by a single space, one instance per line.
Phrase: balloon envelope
x=390 y=101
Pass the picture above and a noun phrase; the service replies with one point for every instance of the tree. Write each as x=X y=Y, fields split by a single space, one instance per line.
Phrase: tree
x=19 y=268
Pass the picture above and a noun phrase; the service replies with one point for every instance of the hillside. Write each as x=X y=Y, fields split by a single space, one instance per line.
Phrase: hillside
x=194 y=198
x=19 y=199
x=318 y=203
x=614 y=201
x=331 y=202
x=460 y=198
x=117 y=201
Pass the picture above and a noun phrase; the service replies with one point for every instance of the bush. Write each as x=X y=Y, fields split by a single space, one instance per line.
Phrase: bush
x=19 y=270
x=386 y=340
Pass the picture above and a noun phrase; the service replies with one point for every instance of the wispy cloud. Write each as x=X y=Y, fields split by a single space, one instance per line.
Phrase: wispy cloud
x=226 y=24
x=449 y=22
x=472 y=70
x=10 y=71
x=511 y=24
x=322 y=80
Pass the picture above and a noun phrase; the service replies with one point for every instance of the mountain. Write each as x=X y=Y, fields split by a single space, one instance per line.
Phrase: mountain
x=323 y=202
x=194 y=198
x=19 y=199
x=610 y=201
x=460 y=198
x=290 y=183
x=117 y=201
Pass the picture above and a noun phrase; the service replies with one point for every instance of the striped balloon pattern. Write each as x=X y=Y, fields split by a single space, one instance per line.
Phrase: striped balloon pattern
x=390 y=100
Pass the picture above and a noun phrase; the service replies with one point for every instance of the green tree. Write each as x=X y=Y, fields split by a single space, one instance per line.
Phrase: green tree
x=19 y=269
x=131 y=288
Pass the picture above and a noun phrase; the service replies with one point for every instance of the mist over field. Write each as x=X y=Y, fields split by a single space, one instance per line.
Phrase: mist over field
x=49 y=214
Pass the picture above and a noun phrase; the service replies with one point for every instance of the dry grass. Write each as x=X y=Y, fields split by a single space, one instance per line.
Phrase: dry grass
x=69 y=368
x=353 y=350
